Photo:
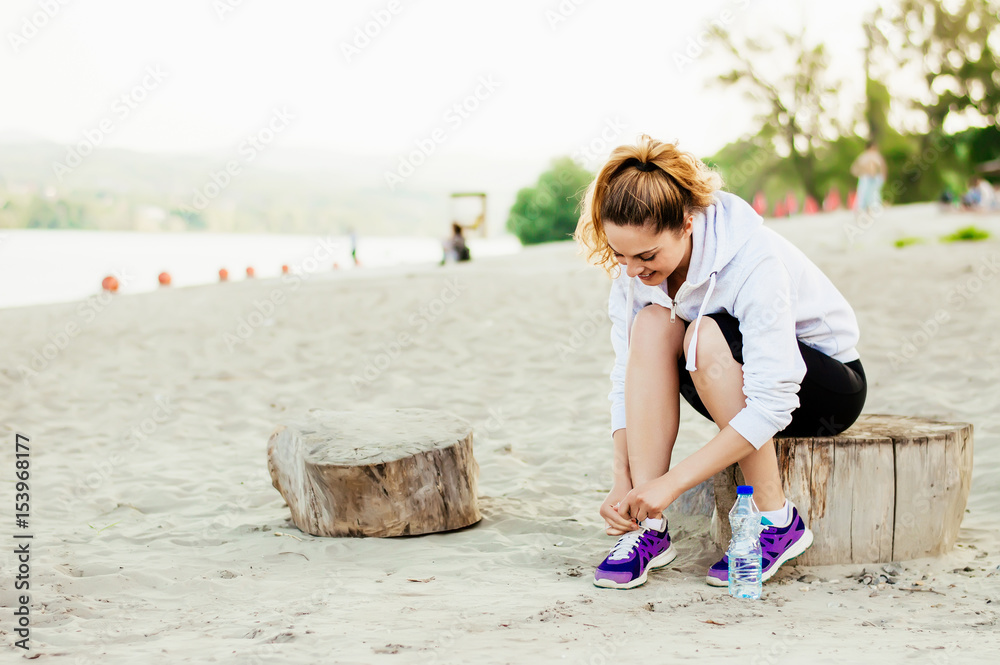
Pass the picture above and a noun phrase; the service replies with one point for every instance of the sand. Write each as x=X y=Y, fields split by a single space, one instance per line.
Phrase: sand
x=158 y=536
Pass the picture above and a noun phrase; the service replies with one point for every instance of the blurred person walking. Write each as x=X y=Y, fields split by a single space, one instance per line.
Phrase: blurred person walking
x=870 y=170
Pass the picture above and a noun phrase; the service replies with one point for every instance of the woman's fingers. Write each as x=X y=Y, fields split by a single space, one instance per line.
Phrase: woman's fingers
x=632 y=506
x=615 y=520
x=624 y=507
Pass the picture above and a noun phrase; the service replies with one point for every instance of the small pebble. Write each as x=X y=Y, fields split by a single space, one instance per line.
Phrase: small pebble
x=892 y=569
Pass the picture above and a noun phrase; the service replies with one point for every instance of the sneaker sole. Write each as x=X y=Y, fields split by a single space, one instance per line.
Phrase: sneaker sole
x=658 y=561
x=800 y=546
x=795 y=550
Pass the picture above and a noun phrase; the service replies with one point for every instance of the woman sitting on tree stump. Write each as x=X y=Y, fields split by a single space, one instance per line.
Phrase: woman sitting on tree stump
x=710 y=304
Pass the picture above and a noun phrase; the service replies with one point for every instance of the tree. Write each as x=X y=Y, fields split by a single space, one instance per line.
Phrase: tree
x=949 y=44
x=549 y=210
x=951 y=50
x=794 y=105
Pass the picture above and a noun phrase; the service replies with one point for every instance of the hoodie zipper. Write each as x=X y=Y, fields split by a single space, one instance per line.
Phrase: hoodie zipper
x=673 y=302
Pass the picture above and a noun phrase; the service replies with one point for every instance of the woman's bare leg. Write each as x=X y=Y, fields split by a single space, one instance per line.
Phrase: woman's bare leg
x=719 y=381
x=652 y=400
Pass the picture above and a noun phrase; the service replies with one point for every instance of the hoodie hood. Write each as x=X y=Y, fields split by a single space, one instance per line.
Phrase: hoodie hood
x=717 y=235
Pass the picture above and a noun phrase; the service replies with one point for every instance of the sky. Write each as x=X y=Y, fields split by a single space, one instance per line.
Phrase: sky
x=512 y=79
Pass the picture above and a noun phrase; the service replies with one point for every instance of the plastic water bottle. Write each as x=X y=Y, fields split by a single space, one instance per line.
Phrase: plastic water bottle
x=744 y=548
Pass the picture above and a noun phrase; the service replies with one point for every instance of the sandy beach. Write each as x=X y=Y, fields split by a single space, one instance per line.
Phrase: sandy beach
x=159 y=538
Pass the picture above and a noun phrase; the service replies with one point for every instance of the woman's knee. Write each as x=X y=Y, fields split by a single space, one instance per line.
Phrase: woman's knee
x=712 y=354
x=653 y=325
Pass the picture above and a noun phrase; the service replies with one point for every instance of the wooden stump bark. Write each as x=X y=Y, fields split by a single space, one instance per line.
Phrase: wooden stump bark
x=890 y=488
x=390 y=472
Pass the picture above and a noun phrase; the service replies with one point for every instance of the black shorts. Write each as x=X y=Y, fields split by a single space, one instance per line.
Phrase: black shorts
x=831 y=396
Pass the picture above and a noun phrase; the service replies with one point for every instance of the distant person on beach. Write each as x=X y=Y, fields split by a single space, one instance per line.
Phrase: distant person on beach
x=454 y=247
x=980 y=196
x=709 y=304
x=870 y=170
x=353 y=237
x=946 y=201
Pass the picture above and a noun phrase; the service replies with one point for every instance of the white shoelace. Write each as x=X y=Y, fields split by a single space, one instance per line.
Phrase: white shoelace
x=623 y=548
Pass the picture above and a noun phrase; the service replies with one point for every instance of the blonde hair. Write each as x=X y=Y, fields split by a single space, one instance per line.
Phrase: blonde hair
x=649 y=183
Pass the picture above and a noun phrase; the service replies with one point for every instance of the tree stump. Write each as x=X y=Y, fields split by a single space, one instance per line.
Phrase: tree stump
x=389 y=472
x=890 y=488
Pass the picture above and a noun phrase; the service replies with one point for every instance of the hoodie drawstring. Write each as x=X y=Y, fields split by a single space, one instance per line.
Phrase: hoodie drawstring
x=693 y=346
x=628 y=313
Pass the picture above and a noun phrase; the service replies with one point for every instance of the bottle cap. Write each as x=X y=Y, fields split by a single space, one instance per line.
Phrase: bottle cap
x=744 y=490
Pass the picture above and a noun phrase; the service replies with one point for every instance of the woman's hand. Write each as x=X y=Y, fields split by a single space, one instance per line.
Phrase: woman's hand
x=649 y=499
x=617 y=525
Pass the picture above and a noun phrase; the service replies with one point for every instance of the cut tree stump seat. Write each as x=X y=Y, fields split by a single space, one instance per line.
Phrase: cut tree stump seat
x=389 y=472
x=890 y=488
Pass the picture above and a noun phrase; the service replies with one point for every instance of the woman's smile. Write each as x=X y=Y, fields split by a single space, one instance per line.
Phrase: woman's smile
x=651 y=256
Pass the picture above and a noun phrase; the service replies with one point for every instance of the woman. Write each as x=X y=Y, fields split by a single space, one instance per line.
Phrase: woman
x=870 y=169
x=454 y=247
x=710 y=304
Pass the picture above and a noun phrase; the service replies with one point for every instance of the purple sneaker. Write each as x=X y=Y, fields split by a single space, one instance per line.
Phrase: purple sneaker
x=777 y=546
x=633 y=556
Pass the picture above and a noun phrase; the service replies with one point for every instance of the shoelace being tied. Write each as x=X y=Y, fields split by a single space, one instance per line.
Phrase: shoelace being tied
x=628 y=542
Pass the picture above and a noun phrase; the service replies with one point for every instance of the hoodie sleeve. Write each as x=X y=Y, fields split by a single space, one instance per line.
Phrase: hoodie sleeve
x=773 y=368
x=616 y=312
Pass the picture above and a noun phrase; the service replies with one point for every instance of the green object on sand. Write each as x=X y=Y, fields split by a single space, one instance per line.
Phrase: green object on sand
x=966 y=233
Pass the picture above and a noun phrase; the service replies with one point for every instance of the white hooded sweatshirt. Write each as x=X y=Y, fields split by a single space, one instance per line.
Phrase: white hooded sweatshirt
x=741 y=267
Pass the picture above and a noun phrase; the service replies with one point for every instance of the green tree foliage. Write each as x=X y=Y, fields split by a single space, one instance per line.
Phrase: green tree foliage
x=953 y=47
x=549 y=210
x=46 y=214
x=793 y=105
x=956 y=48
x=192 y=219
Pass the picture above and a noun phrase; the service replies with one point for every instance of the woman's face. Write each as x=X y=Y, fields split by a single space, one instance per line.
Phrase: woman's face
x=650 y=256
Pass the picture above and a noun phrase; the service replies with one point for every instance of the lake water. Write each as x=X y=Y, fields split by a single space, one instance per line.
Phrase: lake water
x=45 y=266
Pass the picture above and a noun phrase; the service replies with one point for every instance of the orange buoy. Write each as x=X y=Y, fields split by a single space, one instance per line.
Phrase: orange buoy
x=284 y=270
x=110 y=283
x=223 y=274
x=164 y=279
x=249 y=271
x=336 y=266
